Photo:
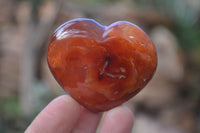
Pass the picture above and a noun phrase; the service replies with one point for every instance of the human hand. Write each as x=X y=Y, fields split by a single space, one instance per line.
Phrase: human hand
x=65 y=115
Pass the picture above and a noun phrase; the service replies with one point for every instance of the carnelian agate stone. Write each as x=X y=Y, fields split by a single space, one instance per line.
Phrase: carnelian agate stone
x=101 y=66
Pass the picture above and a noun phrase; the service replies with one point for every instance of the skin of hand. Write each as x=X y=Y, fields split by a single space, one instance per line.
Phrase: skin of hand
x=65 y=115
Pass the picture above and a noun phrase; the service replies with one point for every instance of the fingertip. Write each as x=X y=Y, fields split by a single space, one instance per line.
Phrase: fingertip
x=59 y=116
x=129 y=114
x=68 y=100
x=122 y=113
x=88 y=121
x=118 y=120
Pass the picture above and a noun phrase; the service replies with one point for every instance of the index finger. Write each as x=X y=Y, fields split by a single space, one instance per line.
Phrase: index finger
x=59 y=116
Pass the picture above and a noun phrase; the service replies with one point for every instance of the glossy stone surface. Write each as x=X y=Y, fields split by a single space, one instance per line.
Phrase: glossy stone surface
x=101 y=66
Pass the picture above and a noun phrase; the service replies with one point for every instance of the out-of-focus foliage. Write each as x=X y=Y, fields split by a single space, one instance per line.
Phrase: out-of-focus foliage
x=185 y=17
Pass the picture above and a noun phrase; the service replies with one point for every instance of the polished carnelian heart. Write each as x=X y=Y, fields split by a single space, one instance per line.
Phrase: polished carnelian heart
x=101 y=66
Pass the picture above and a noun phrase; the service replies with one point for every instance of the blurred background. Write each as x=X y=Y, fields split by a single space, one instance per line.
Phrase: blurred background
x=170 y=103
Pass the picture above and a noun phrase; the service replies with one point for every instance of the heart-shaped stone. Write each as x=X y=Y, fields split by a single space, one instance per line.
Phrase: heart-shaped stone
x=101 y=66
